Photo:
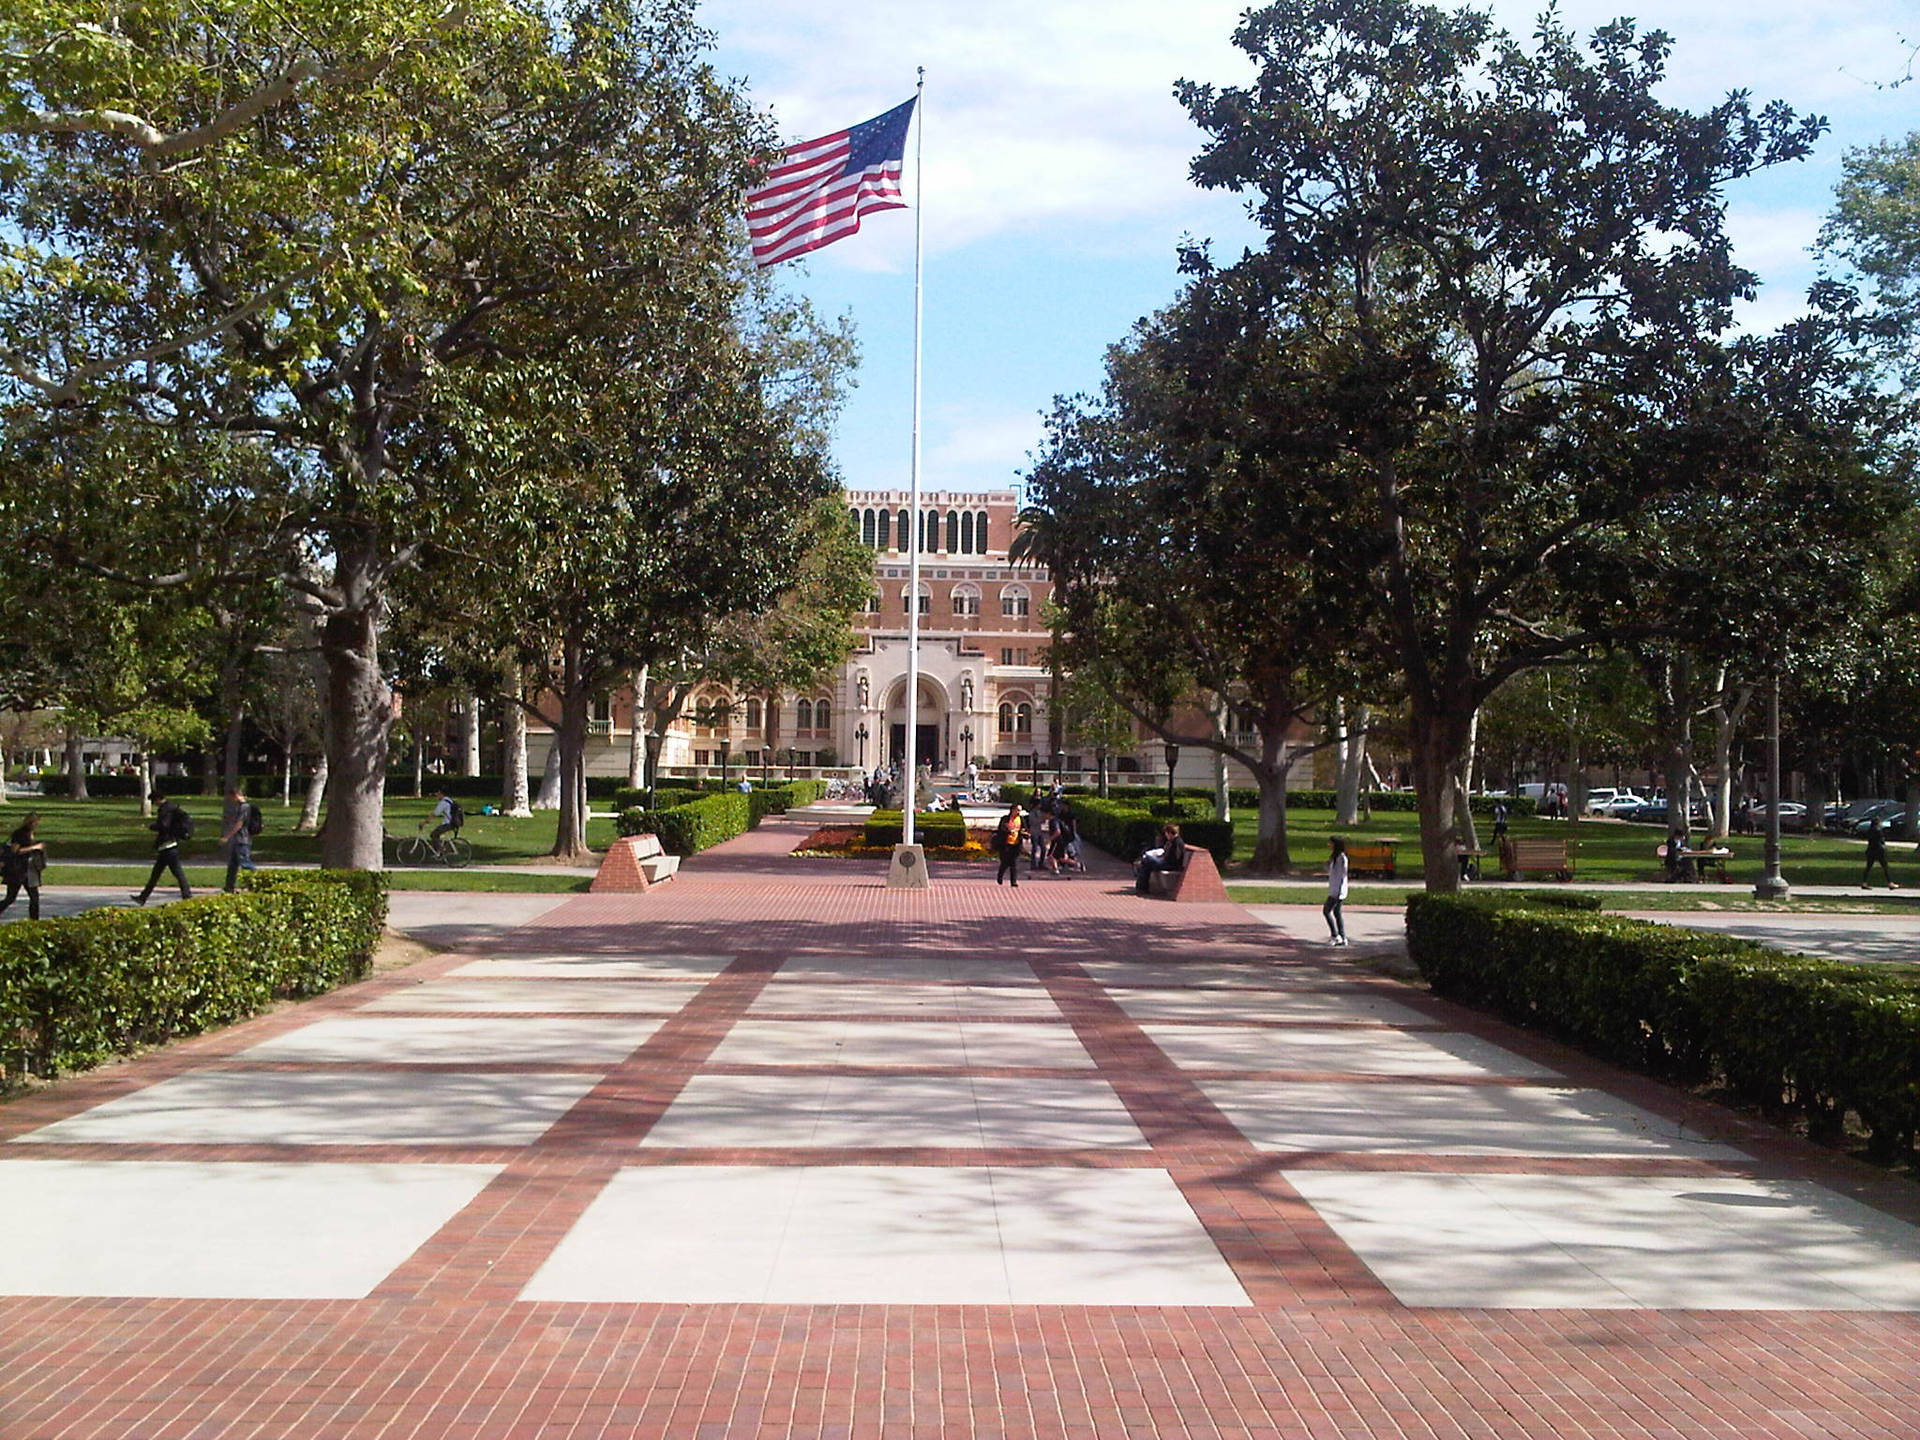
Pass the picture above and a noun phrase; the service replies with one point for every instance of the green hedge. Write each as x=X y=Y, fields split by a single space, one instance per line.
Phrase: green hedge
x=1784 y=1032
x=695 y=826
x=946 y=828
x=1125 y=830
x=77 y=991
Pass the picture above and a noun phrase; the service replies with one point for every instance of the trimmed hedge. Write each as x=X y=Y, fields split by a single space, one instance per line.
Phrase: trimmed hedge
x=695 y=826
x=78 y=990
x=1784 y=1032
x=945 y=828
x=1125 y=830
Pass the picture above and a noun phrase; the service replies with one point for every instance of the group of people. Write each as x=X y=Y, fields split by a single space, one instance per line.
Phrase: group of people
x=1048 y=836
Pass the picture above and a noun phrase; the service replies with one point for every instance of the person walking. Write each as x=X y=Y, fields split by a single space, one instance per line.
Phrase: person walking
x=1008 y=838
x=21 y=862
x=172 y=827
x=1877 y=855
x=1336 y=889
x=241 y=822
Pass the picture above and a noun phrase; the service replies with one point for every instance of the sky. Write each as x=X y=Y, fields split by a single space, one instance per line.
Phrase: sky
x=1057 y=192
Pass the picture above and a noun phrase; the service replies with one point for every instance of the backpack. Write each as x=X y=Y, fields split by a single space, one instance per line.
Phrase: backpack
x=456 y=817
x=179 y=825
x=255 y=822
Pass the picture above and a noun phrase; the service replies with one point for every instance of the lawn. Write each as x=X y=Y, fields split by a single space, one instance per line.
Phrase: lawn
x=1603 y=850
x=113 y=830
x=209 y=878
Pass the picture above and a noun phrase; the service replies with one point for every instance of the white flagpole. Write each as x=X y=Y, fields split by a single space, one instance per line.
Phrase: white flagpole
x=918 y=523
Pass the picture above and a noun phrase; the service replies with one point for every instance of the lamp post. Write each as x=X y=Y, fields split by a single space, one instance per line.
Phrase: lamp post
x=860 y=734
x=1173 y=759
x=1060 y=767
x=726 y=754
x=789 y=764
x=966 y=746
x=1772 y=885
x=654 y=741
x=766 y=759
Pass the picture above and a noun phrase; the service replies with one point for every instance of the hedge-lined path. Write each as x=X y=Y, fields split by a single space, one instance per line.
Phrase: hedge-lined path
x=774 y=1151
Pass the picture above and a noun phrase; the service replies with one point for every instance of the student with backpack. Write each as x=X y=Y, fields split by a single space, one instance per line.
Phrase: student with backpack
x=243 y=821
x=448 y=816
x=172 y=827
x=22 y=859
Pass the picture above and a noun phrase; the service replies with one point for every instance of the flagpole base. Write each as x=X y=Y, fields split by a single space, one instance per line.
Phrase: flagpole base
x=908 y=868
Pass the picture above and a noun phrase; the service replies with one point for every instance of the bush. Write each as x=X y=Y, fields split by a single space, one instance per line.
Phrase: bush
x=946 y=829
x=77 y=991
x=698 y=825
x=1124 y=829
x=1782 y=1031
x=101 y=787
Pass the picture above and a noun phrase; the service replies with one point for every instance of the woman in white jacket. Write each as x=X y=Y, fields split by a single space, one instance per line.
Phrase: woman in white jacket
x=1336 y=890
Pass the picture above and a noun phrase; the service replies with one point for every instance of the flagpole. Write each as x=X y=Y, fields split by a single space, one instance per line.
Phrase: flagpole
x=918 y=523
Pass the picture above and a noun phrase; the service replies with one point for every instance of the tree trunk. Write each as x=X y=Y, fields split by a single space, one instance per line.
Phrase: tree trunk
x=549 y=797
x=1352 y=752
x=1271 y=855
x=1726 y=722
x=1222 y=795
x=419 y=765
x=76 y=767
x=1437 y=740
x=576 y=703
x=470 y=756
x=360 y=717
x=286 y=777
x=1100 y=760
x=637 y=741
x=1463 y=804
x=316 y=793
x=1679 y=750
x=230 y=753
x=513 y=782
x=146 y=786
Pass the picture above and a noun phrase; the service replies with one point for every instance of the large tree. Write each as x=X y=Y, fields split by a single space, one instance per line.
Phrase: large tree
x=353 y=230
x=1512 y=250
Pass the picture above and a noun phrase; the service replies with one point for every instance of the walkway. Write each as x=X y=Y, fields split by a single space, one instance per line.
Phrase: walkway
x=774 y=1151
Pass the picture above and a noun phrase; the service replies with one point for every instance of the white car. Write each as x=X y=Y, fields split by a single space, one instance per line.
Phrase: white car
x=1597 y=799
x=1625 y=802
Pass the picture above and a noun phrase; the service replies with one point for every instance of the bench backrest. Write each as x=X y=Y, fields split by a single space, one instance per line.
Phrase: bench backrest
x=1539 y=849
x=646 y=846
x=1362 y=852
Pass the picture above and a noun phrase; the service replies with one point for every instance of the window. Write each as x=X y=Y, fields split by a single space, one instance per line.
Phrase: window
x=823 y=714
x=880 y=534
x=1006 y=655
x=980 y=533
x=753 y=714
x=966 y=599
x=873 y=603
x=803 y=715
x=900 y=532
x=930 y=530
x=867 y=532
x=926 y=599
x=966 y=533
x=953 y=531
x=1006 y=719
x=1016 y=717
x=1014 y=600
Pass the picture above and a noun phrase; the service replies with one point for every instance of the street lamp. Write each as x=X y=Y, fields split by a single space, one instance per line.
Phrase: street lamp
x=766 y=759
x=789 y=764
x=860 y=734
x=726 y=754
x=1772 y=885
x=966 y=746
x=1173 y=759
x=654 y=740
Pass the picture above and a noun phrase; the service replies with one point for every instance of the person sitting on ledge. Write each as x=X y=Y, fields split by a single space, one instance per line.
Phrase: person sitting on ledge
x=1170 y=854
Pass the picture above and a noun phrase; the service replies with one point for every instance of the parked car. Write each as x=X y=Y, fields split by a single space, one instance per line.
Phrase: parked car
x=1844 y=819
x=1890 y=819
x=1622 y=805
x=1597 y=799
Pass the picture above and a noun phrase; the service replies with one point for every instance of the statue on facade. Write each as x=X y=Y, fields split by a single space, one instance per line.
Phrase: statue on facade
x=866 y=691
x=966 y=693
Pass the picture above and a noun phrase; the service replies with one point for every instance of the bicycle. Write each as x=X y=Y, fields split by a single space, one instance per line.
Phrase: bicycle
x=449 y=850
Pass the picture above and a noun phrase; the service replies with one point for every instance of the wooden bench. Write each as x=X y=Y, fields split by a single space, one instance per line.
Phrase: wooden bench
x=1199 y=881
x=1547 y=857
x=635 y=862
x=1371 y=857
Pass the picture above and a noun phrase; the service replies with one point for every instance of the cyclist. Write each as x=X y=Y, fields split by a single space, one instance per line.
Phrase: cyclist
x=448 y=815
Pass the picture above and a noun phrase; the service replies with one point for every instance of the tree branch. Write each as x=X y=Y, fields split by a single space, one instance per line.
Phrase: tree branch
x=156 y=144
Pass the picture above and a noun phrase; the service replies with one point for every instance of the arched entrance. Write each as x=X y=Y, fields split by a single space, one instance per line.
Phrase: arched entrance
x=930 y=724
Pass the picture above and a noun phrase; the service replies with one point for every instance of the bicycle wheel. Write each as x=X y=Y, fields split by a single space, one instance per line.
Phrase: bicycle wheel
x=456 y=852
x=412 y=851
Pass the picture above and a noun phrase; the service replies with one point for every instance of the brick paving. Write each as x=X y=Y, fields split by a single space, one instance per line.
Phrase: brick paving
x=445 y=1348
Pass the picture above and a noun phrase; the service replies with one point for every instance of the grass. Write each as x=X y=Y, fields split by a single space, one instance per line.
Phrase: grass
x=1728 y=898
x=1603 y=850
x=209 y=878
x=113 y=830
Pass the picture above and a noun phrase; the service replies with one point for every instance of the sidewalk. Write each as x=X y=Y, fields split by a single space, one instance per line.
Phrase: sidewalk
x=775 y=1151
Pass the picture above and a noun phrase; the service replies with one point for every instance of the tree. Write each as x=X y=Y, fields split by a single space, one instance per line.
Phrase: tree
x=399 y=222
x=1871 y=244
x=1510 y=253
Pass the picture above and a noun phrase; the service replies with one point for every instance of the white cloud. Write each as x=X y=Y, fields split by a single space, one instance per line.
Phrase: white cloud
x=974 y=448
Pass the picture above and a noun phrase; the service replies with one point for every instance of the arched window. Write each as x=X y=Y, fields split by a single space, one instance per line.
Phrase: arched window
x=900 y=532
x=980 y=533
x=823 y=714
x=803 y=715
x=1006 y=718
x=880 y=535
x=966 y=599
x=966 y=533
x=873 y=603
x=1023 y=719
x=712 y=713
x=953 y=532
x=753 y=714
x=867 y=534
x=854 y=511
x=926 y=598
x=1013 y=600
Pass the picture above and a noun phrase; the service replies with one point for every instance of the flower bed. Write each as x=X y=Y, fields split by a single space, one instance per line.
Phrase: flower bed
x=845 y=842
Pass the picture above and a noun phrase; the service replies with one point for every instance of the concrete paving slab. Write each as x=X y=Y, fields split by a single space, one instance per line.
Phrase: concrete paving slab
x=1411 y=1118
x=398 y=1039
x=550 y=965
x=470 y=995
x=330 y=1107
x=1348 y=1052
x=879 y=1235
x=216 y=1230
x=887 y=1043
x=451 y=921
x=949 y=969
x=1299 y=1005
x=784 y=996
x=1617 y=1241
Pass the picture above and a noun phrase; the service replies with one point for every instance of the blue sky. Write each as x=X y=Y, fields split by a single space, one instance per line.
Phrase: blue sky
x=1056 y=181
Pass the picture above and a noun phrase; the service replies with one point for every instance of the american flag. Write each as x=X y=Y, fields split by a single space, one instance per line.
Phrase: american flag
x=820 y=188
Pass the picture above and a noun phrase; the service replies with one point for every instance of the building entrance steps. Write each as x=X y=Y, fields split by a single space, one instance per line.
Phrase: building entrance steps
x=777 y=1151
